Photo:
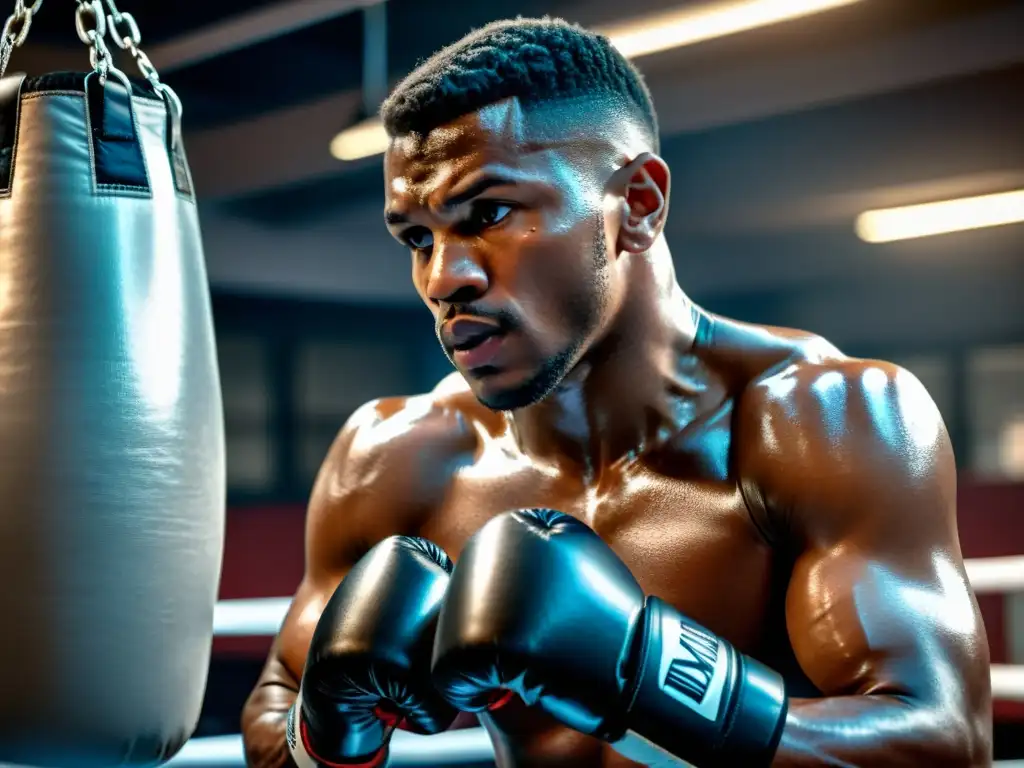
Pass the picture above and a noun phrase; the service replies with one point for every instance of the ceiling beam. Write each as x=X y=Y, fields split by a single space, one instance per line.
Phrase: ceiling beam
x=248 y=29
x=756 y=90
x=248 y=157
x=277 y=149
x=232 y=34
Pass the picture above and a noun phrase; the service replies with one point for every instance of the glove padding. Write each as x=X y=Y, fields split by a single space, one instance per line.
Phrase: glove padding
x=541 y=606
x=368 y=667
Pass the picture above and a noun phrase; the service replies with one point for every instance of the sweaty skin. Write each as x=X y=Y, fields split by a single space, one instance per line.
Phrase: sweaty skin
x=798 y=502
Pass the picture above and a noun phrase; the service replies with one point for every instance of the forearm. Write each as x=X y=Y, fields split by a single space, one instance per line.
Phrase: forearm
x=877 y=731
x=264 y=722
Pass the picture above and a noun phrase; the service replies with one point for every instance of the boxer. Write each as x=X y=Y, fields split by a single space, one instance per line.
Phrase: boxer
x=749 y=492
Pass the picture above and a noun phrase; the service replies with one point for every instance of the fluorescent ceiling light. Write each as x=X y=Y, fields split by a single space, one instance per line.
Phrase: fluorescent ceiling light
x=366 y=139
x=887 y=225
x=633 y=39
x=1011 y=450
x=675 y=29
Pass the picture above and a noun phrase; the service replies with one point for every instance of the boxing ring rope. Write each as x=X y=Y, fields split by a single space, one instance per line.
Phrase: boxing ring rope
x=262 y=617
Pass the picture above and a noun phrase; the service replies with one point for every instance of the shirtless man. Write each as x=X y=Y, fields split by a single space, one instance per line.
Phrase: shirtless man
x=795 y=502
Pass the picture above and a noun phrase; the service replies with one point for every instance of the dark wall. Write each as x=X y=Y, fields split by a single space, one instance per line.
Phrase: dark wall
x=292 y=371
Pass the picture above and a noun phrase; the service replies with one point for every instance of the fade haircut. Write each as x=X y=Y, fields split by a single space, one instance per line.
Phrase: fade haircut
x=538 y=61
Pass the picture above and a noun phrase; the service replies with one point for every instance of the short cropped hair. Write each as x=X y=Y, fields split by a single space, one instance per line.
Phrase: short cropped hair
x=538 y=61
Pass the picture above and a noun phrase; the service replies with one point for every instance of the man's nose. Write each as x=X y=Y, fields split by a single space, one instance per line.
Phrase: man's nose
x=456 y=274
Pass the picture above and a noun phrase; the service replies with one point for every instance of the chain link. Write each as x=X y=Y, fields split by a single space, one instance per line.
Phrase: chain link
x=15 y=30
x=126 y=35
x=91 y=25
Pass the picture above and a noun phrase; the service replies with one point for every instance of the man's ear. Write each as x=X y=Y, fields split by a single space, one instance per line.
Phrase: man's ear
x=642 y=191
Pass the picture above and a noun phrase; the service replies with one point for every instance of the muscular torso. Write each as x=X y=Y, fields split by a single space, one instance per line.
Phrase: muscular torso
x=686 y=535
x=802 y=506
x=677 y=515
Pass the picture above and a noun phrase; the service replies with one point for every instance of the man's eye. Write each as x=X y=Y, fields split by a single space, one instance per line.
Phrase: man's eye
x=419 y=238
x=487 y=213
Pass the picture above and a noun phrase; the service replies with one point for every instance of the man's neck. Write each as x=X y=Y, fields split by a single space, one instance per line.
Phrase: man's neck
x=634 y=389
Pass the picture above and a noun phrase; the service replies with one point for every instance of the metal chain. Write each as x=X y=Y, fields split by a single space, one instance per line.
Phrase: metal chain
x=125 y=32
x=91 y=25
x=15 y=30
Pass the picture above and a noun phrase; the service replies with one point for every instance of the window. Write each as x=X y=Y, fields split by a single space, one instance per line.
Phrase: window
x=995 y=381
x=245 y=384
x=334 y=378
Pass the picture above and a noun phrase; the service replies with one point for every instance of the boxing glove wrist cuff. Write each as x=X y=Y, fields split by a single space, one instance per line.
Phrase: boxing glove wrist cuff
x=297 y=738
x=699 y=699
x=293 y=737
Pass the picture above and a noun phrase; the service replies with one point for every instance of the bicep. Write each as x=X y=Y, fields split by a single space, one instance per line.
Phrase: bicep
x=320 y=580
x=274 y=693
x=335 y=539
x=296 y=632
x=864 y=623
x=861 y=469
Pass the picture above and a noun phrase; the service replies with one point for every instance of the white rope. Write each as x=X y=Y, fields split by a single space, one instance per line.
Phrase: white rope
x=470 y=746
x=996 y=574
x=250 y=618
x=1008 y=682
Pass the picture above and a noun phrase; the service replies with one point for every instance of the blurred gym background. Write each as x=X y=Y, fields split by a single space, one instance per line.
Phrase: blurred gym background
x=780 y=137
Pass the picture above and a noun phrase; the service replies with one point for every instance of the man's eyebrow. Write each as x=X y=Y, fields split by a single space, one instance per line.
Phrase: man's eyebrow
x=478 y=187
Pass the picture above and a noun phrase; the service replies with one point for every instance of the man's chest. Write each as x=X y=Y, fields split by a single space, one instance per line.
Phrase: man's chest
x=686 y=538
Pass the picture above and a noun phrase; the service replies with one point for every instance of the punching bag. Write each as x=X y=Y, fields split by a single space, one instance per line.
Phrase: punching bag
x=112 y=473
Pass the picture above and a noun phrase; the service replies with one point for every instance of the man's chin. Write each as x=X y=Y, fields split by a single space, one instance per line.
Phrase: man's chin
x=505 y=391
x=494 y=393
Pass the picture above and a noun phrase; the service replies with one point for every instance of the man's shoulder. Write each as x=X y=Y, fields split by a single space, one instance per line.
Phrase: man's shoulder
x=831 y=389
x=772 y=365
x=795 y=388
x=389 y=469
x=748 y=353
x=409 y=438
x=822 y=431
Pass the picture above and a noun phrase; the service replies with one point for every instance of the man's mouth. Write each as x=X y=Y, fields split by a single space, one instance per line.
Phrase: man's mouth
x=475 y=340
x=475 y=344
x=464 y=333
x=482 y=353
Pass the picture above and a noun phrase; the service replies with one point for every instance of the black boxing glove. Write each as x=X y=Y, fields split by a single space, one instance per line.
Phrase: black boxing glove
x=541 y=606
x=368 y=667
